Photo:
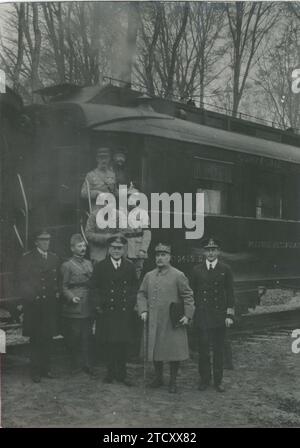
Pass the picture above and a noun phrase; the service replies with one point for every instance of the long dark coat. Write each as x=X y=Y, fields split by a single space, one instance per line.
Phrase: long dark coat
x=213 y=294
x=114 y=292
x=38 y=283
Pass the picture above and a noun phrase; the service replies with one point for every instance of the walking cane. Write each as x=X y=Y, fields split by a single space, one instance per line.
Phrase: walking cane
x=144 y=355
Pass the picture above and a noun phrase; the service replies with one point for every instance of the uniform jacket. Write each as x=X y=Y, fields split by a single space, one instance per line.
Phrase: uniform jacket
x=114 y=292
x=99 y=181
x=138 y=235
x=38 y=283
x=97 y=237
x=213 y=293
x=137 y=239
x=76 y=274
x=157 y=291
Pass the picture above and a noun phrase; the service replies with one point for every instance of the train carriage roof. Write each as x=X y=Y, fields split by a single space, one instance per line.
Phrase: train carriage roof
x=101 y=117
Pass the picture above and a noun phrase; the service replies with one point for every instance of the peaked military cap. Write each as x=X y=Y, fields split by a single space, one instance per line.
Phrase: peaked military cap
x=41 y=234
x=211 y=243
x=103 y=150
x=163 y=248
x=76 y=238
x=117 y=238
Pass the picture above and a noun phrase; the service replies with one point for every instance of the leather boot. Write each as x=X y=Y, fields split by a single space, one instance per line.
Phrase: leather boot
x=158 y=380
x=173 y=376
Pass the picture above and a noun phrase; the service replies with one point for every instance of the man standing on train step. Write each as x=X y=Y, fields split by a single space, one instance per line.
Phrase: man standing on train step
x=212 y=283
x=166 y=342
x=102 y=179
x=38 y=282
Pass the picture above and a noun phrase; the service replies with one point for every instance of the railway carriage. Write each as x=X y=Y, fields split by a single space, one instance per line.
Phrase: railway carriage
x=249 y=173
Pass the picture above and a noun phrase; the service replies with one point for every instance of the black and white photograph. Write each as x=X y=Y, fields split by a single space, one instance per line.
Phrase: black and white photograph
x=150 y=216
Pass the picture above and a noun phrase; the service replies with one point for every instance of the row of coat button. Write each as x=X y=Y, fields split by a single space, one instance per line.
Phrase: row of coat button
x=112 y=308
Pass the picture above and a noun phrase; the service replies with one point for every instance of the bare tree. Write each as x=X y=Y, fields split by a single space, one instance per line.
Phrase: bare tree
x=34 y=39
x=248 y=23
x=163 y=28
x=179 y=48
x=202 y=49
x=274 y=77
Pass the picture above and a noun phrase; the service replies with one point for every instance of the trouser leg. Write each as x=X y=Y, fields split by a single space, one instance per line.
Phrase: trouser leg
x=174 y=366
x=40 y=352
x=218 y=335
x=111 y=360
x=204 y=356
x=228 y=364
x=159 y=369
x=72 y=339
x=137 y=327
x=34 y=355
x=121 y=360
x=86 y=336
x=45 y=354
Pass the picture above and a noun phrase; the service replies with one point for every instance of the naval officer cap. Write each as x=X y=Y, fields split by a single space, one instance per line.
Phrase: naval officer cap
x=211 y=243
x=103 y=150
x=164 y=248
x=117 y=238
x=41 y=234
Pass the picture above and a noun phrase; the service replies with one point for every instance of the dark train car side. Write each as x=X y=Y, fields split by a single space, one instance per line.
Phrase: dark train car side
x=250 y=184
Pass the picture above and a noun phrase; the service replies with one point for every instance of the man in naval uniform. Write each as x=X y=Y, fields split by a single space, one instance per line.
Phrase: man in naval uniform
x=38 y=282
x=114 y=287
x=212 y=283
x=161 y=287
x=77 y=309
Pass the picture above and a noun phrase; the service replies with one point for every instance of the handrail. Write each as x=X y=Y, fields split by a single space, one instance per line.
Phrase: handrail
x=89 y=195
x=26 y=209
x=18 y=236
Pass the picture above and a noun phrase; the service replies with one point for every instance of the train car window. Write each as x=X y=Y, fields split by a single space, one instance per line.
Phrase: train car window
x=269 y=196
x=215 y=199
x=214 y=179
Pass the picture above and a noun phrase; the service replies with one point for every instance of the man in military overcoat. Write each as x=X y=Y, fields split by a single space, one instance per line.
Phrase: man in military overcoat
x=38 y=282
x=161 y=287
x=114 y=287
x=212 y=283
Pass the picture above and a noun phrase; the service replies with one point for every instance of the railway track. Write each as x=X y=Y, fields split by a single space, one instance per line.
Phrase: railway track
x=277 y=321
x=254 y=327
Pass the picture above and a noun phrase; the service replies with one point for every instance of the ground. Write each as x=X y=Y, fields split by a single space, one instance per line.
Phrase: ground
x=262 y=391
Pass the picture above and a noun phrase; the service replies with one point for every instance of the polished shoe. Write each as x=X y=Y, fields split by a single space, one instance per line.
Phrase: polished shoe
x=126 y=382
x=49 y=375
x=36 y=378
x=90 y=371
x=172 y=388
x=157 y=382
x=108 y=379
x=202 y=386
x=219 y=388
x=75 y=370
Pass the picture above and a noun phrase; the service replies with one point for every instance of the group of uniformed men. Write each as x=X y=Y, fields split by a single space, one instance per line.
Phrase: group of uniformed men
x=110 y=290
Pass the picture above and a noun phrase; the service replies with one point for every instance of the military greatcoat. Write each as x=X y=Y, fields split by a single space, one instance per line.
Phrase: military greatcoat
x=158 y=290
